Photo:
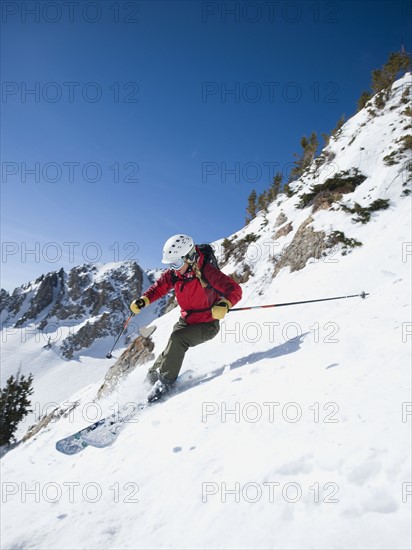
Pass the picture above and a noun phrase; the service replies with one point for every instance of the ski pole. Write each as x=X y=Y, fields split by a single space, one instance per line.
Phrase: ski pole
x=362 y=295
x=109 y=355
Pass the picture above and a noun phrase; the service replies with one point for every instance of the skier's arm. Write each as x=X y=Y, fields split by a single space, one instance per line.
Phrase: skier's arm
x=160 y=288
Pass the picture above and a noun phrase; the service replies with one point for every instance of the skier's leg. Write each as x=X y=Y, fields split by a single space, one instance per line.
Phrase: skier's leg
x=152 y=375
x=169 y=362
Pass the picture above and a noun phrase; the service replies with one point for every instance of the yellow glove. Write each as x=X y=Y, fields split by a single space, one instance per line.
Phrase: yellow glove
x=137 y=305
x=220 y=309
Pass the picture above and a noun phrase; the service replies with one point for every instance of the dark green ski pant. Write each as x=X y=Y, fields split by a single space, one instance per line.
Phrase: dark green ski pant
x=183 y=337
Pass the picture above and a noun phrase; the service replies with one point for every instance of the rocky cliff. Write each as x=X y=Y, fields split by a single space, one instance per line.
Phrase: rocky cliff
x=73 y=310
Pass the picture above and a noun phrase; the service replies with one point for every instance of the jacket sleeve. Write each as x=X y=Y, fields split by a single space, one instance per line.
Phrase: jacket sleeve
x=160 y=288
x=224 y=284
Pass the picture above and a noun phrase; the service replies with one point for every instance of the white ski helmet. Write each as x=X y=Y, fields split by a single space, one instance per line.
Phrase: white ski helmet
x=177 y=247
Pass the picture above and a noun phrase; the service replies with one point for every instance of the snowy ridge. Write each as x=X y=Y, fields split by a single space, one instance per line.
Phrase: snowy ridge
x=303 y=441
x=62 y=316
x=361 y=145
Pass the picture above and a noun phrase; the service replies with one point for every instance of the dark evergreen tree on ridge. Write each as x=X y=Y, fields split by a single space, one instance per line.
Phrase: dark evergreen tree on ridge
x=14 y=405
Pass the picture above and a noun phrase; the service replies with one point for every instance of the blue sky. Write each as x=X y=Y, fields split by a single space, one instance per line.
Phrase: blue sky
x=126 y=122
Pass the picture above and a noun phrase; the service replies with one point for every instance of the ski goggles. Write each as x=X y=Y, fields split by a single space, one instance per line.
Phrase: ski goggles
x=189 y=258
x=178 y=264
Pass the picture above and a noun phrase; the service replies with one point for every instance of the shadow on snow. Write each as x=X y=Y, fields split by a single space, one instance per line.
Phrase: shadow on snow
x=291 y=346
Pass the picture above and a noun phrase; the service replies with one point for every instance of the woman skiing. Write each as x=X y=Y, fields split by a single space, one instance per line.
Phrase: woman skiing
x=204 y=295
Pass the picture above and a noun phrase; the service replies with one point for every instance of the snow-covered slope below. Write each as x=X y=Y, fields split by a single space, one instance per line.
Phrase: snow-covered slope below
x=302 y=439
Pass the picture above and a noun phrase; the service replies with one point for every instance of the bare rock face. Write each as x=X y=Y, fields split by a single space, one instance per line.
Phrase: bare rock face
x=86 y=335
x=88 y=303
x=243 y=274
x=55 y=415
x=44 y=296
x=306 y=244
x=281 y=219
x=139 y=352
x=283 y=231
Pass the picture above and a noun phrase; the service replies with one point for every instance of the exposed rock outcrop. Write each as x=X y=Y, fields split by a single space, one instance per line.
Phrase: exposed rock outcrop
x=89 y=302
x=139 y=352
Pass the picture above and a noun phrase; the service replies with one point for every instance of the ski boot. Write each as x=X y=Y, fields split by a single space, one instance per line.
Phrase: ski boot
x=159 y=389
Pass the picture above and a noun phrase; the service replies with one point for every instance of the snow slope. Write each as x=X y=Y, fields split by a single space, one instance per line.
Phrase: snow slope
x=302 y=441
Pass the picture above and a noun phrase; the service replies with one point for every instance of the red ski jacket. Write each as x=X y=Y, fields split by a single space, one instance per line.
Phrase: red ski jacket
x=194 y=300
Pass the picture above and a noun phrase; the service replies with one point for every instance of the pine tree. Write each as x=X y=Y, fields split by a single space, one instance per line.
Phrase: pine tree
x=263 y=201
x=287 y=190
x=326 y=138
x=397 y=64
x=252 y=206
x=339 y=125
x=313 y=146
x=274 y=189
x=303 y=161
x=363 y=100
x=14 y=405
